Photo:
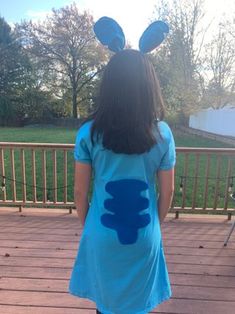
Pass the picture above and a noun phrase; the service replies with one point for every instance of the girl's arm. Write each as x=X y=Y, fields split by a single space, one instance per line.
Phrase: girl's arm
x=166 y=190
x=82 y=179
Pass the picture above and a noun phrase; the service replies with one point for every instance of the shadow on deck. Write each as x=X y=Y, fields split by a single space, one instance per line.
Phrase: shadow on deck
x=37 y=250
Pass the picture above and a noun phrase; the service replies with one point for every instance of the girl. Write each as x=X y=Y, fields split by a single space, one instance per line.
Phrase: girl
x=120 y=263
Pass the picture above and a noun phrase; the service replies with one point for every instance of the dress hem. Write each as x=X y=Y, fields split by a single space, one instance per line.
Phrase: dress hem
x=101 y=309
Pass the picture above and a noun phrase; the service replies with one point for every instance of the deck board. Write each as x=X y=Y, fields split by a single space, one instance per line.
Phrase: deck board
x=37 y=251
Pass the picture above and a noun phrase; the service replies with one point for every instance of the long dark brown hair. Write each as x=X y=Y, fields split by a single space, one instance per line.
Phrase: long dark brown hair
x=129 y=103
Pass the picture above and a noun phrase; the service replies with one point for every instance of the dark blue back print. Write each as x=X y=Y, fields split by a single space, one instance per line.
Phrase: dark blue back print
x=125 y=208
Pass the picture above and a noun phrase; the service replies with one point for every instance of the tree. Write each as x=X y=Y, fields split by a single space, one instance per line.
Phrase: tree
x=66 y=44
x=220 y=59
x=14 y=73
x=178 y=60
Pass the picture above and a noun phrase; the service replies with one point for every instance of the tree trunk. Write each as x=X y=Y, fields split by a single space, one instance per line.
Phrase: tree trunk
x=75 y=109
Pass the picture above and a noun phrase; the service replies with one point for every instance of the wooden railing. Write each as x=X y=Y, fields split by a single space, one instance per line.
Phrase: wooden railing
x=36 y=174
x=205 y=179
x=42 y=175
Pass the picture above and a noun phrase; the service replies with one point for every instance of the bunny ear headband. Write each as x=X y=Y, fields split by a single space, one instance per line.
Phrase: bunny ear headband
x=110 y=34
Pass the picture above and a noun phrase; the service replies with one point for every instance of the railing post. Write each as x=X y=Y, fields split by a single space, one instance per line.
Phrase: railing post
x=206 y=180
x=2 y=163
x=54 y=175
x=65 y=176
x=217 y=183
x=195 y=184
x=44 y=176
x=13 y=178
x=34 y=176
x=23 y=176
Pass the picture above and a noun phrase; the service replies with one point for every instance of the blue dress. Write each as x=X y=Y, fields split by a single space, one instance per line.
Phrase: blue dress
x=120 y=263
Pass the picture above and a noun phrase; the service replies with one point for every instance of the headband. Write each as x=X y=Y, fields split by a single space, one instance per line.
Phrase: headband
x=110 y=34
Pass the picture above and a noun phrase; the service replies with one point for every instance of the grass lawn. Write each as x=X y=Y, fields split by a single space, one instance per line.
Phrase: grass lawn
x=62 y=135
x=38 y=135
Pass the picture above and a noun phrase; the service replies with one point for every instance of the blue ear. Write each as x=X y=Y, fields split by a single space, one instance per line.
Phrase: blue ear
x=110 y=33
x=153 y=36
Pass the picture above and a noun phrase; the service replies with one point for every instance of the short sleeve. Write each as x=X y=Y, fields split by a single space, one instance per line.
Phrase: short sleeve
x=169 y=158
x=81 y=150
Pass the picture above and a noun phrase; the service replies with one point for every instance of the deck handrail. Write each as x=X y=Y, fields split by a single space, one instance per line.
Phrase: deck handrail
x=205 y=150
x=71 y=146
x=36 y=145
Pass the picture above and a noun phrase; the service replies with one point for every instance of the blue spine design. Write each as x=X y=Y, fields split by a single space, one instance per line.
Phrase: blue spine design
x=125 y=208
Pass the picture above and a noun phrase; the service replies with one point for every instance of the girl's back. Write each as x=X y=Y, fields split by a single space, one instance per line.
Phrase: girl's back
x=121 y=264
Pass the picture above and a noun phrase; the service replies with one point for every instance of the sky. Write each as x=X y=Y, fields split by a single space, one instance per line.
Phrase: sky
x=133 y=15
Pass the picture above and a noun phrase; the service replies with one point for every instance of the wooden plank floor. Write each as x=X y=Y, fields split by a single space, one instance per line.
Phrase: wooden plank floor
x=37 y=250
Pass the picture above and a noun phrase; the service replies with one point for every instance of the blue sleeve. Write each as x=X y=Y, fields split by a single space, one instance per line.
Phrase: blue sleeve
x=81 y=150
x=169 y=158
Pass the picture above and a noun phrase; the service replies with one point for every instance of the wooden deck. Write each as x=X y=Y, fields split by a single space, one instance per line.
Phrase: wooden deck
x=37 y=251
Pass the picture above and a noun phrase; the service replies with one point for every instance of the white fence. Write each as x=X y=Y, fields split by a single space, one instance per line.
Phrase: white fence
x=218 y=121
